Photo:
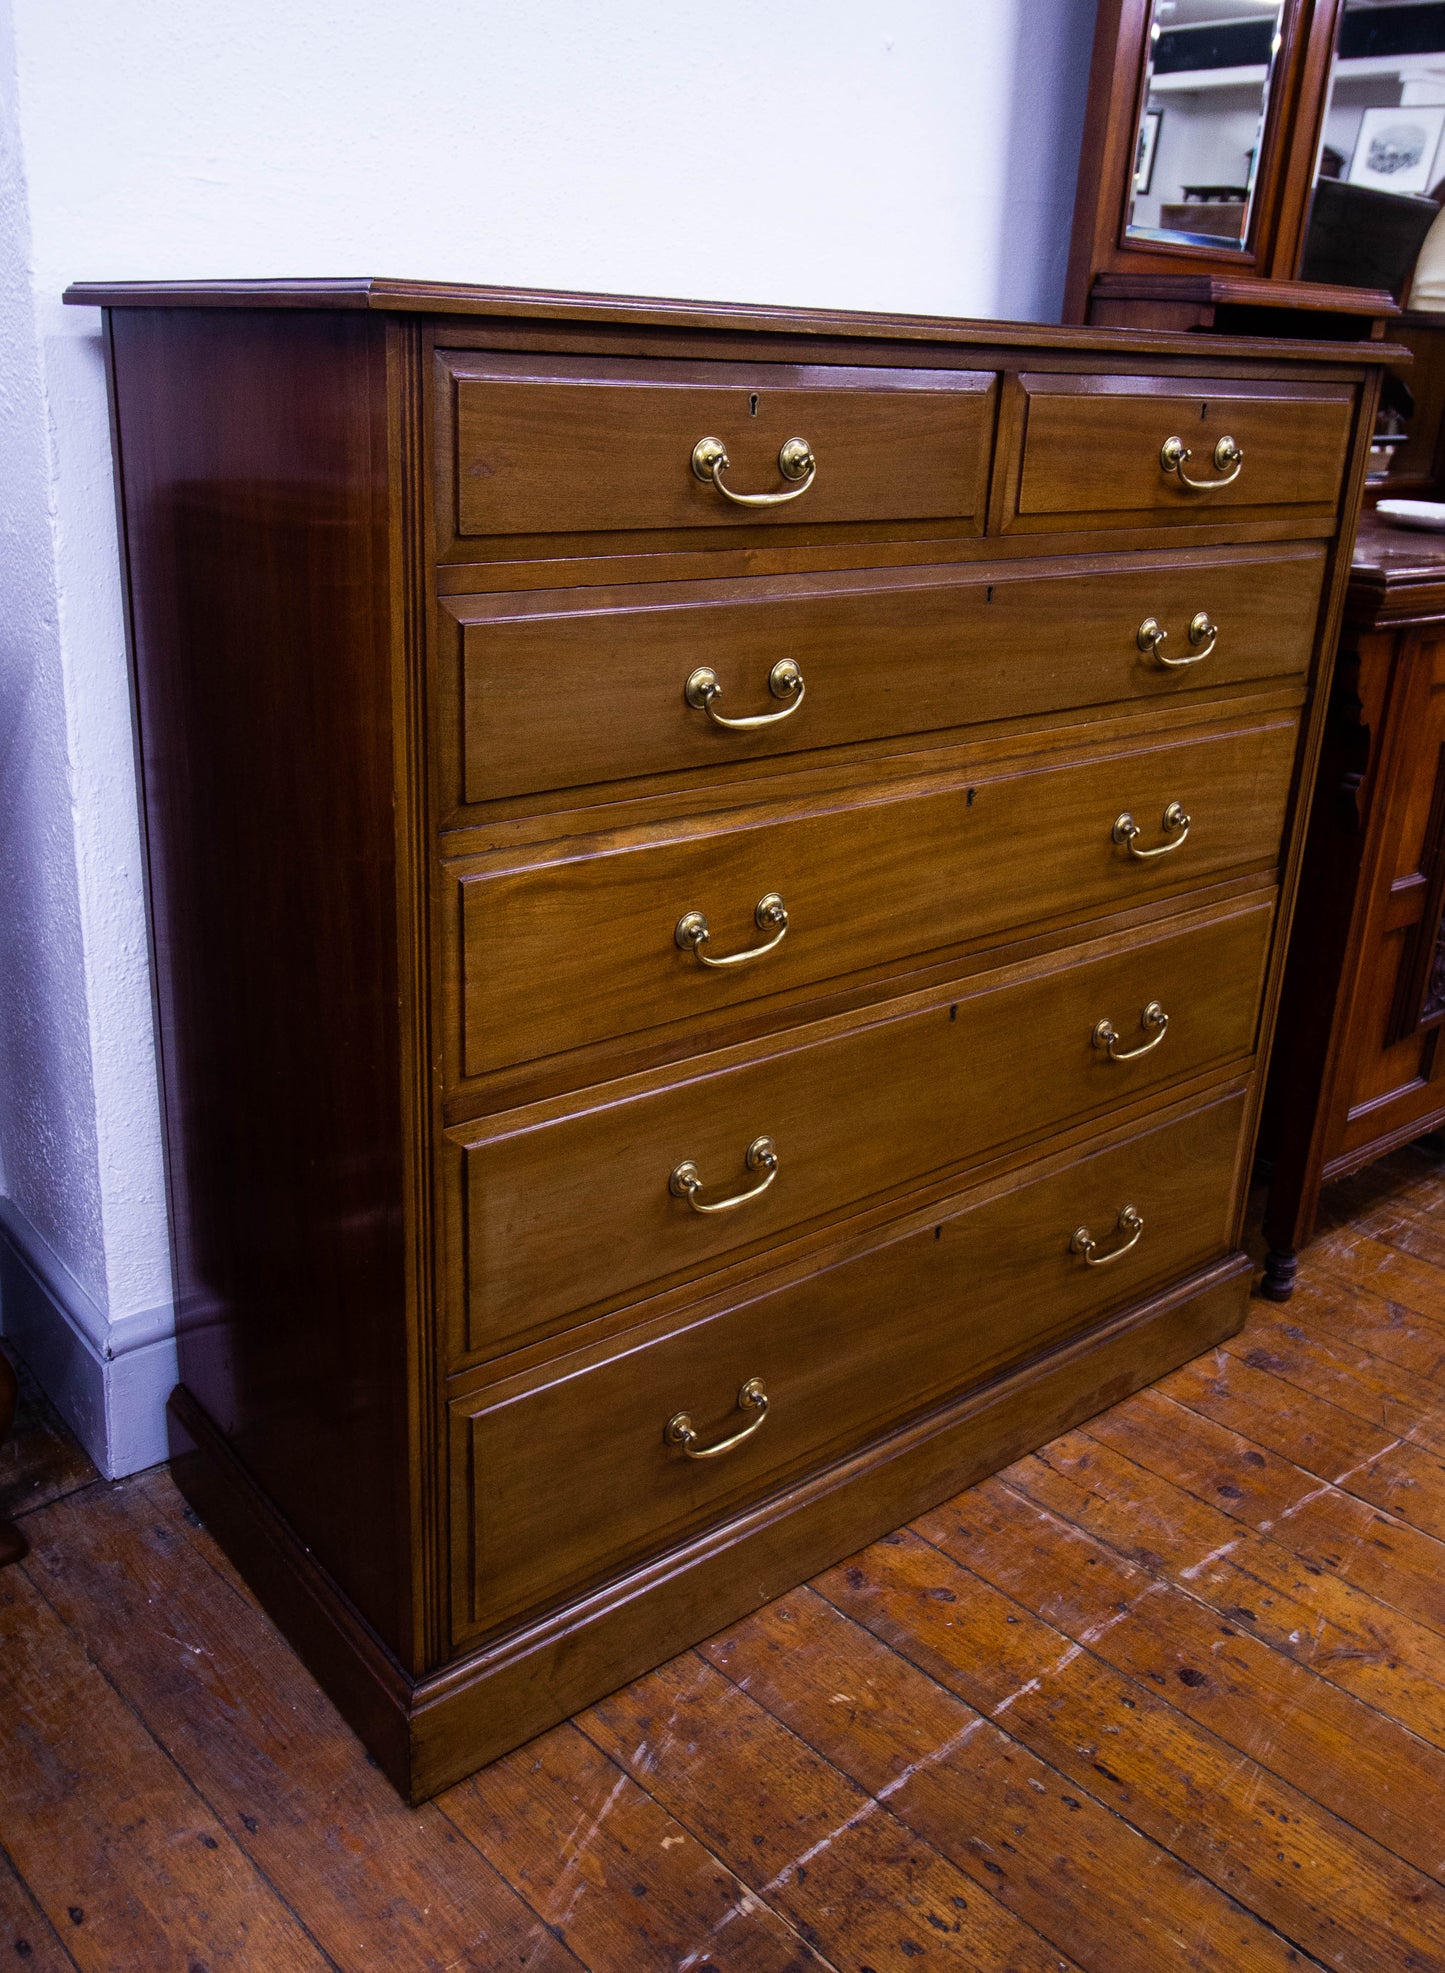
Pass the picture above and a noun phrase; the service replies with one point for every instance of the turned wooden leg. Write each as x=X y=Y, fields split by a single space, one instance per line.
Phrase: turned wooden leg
x=12 y=1543
x=1281 y=1265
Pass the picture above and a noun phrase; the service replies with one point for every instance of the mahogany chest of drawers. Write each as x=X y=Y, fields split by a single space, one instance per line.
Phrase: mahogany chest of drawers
x=717 y=881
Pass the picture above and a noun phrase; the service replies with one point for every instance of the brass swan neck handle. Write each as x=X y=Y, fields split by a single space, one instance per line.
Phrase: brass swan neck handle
x=686 y=1180
x=770 y=915
x=795 y=462
x=785 y=681
x=1228 y=459
x=1154 y=1022
x=1130 y=1222
x=1151 y=637
x=680 y=1430
x=1176 y=824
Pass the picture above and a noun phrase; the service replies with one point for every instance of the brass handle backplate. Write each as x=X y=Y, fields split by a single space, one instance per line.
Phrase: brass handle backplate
x=680 y=1430
x=1152 y=636
x=686 y=1179
x=1154 y=1022
x=1130 y=1221
x=692 y=933
x=1126 y=830
x=785 y=681
x=1228 y=458
x=795 y=462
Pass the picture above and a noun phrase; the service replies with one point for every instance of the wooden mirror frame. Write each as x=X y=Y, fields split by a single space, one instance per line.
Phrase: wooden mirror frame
x=1115 y=280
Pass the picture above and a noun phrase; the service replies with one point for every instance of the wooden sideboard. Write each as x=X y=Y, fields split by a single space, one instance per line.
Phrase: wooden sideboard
x=717 y=881
x=1358 y=1067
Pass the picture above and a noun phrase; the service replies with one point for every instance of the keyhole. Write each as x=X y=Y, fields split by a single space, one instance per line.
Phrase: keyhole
x=753 y=405
x=1204 y=411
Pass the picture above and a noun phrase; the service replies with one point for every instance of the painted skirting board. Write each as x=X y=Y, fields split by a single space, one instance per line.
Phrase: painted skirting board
x=108 y=1378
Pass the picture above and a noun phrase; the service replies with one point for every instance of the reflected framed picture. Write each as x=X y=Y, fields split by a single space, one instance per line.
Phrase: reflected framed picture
x=1144 y=155
x=1395 y=150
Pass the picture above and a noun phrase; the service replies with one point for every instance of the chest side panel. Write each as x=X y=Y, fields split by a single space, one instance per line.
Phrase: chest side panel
x=256 y=495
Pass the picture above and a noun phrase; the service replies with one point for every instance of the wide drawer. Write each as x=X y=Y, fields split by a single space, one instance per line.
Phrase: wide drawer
x=560 y=689
x=1094 y=451
x=573 y=1478
x=568 y=1211
x=597 y=937
x=586 y=444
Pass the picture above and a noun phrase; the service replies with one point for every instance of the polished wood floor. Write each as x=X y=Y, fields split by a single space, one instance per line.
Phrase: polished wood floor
x=1168 y=1694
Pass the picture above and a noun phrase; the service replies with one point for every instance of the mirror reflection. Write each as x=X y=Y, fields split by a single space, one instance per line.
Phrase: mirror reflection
x=1380 y=172
x=1207 y=83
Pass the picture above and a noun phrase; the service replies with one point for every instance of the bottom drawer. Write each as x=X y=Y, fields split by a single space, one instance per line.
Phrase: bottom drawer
x=569 y=1479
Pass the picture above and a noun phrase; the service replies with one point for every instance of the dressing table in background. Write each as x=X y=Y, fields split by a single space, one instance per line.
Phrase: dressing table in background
x=1283 y=104
x=1358 y=1065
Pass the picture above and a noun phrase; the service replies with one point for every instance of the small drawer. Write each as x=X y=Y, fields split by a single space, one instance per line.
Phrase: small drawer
x=1097 y=452
x=584 y=445
x=562 y=689
x=603 y=936
x=573 y=1476
x=568 y=1211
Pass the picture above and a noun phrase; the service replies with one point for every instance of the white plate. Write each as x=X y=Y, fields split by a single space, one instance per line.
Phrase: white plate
x=1427 y=514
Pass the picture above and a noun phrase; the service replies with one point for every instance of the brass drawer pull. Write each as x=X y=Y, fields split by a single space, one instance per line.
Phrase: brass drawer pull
x=680 y=1430
x=1083 y=1242
x=1155 y=1023
x=1126 y=830
x=1227 y=460
x=1152 y=635
x=686 y=1179
x=795 y=462
x=785 y=681
x=692 y=933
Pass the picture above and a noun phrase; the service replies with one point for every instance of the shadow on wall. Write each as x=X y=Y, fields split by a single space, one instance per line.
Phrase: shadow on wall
x=1045 y=130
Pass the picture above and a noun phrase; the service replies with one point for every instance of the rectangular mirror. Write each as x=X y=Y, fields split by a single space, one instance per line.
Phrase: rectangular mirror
x=1382 y=149
x=1209 y=66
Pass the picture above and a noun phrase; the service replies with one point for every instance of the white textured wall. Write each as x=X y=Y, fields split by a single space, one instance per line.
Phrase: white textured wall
x=48 y=1157
x=918 y=155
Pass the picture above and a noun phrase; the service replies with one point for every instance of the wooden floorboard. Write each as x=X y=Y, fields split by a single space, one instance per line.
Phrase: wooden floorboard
x=40 y=1461
x=1169 y=1693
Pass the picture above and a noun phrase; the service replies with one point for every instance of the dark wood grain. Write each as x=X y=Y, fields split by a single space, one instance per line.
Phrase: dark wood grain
x=560 y=691
x=837 y=1856
x=1326 y=1527
x=559 y=950
x=565 y=448
x=1387 y=1263
x=144 y=1875
x=25 y=1932
x=567 y=1208
x=1366 y=1316
x=1256 y=1583
x=1370 y=1387
x=40 y=1460
x=616 y=1876
x=538 y=309
x=252 y=455
x=206 y=1674
x=1363 y=1457
x=1362 y=1069
x=12 y=1542
x=601 y=1484
x=1258 y=1839
x=357 y=971
x=1158 y=1695
x=1091 y=448
x=1029 y=1538
x=962 y=1782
